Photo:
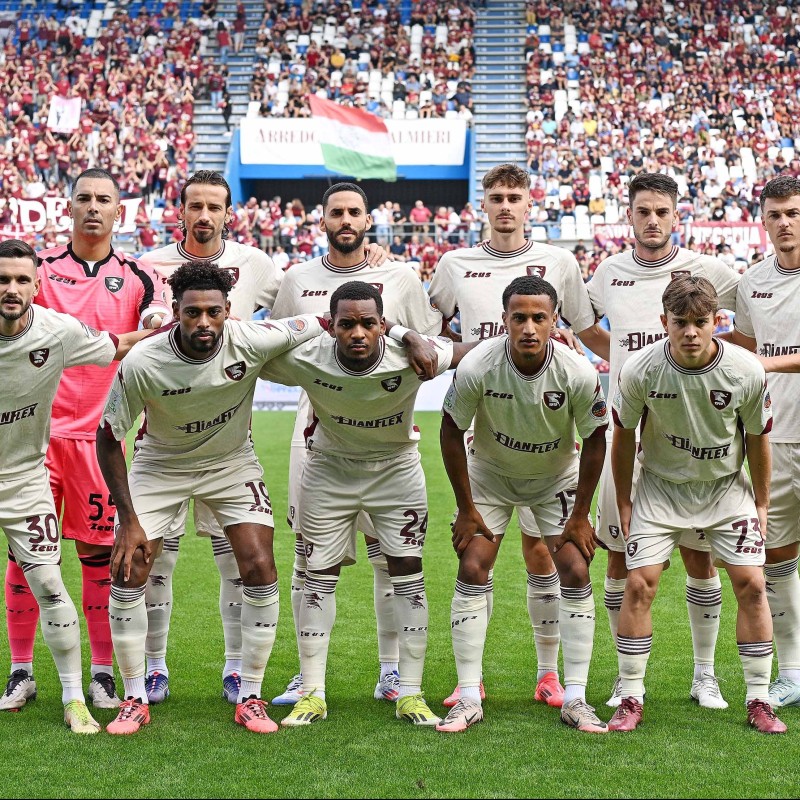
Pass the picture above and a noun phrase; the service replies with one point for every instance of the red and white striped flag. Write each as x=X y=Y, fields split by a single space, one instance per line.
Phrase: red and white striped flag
x=353 y=142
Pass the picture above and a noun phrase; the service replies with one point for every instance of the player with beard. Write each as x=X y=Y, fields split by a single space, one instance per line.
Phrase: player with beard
x=627 y=289
x=306 y=289
x=472 y=281
x=195 y=383
x=37 y=345
x=205 y=211
x=768 y=321
x=106 y=289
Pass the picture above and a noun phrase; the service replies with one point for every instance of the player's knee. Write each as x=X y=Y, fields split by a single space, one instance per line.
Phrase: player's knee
x=473 y=570
x=698 y=563
x=640 y=588
x=405 y=565
x=46 y=584
x=750 y=588
x=259 y=570
x=573 y=571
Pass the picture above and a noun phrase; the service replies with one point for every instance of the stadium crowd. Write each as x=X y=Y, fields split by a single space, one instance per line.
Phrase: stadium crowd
x=137 y=76
x=370 y=58
x=617 y=87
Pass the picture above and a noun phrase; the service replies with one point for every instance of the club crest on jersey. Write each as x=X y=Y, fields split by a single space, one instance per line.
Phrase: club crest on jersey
x=392 y=384
x=296 y=325
x=39 y=357
x=720 y=399
x=680 y=273
x=554 y=400
x=233 y=272
x=536 y=270
x=114 y=283
x=236 y=371
x=378 y=286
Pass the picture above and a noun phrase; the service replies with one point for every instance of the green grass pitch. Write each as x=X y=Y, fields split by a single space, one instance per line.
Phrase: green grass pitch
x=194 y=749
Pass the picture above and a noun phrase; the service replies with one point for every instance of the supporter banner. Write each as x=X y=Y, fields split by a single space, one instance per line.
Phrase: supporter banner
x=604 y=233
x=751 y=233
x=65 y=114
x=294 y=141
x=31 y=216
x=715 y=232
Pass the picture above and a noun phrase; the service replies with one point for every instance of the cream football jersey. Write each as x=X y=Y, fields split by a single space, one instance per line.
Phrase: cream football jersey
x=628 y=291
x=525 y=424
x=33 y=362
x=307 y=289
x=197 y=412
x=366 y=416
x=768 y=311
x=255 y=277
x=694 y=420
x=473 y=280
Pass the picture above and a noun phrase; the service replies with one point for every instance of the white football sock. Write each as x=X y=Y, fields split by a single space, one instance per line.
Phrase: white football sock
x=383 y=598
x=230 y=596
x=468 y=624
x=158 y=602
x=543 y=605
x=298 y=585
x=489 y=596
x=614 y=589
x=259 y=624
x=633 y=654
x=317 y=616
x=757 y=664
x=60 y=628
x=783 y=594
x=576 y=623
x=704 y=603
x=128 y=616
x=411 y=613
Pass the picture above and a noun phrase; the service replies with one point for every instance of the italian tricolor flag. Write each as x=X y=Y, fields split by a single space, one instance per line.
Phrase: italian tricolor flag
x=353 y=142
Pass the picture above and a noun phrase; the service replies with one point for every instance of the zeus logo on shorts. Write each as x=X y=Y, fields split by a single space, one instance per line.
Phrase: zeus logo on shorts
x=720 y=399
x=236 y=371
x=114 y=283
x=39 y=357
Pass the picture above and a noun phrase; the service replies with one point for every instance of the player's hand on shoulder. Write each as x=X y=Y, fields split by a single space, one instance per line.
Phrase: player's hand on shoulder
x=422 y=356
x=377 y=254
x=567 y=337
x=467 y=526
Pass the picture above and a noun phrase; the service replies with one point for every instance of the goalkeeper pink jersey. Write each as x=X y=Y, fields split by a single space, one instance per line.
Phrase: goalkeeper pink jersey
x=114 y=294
